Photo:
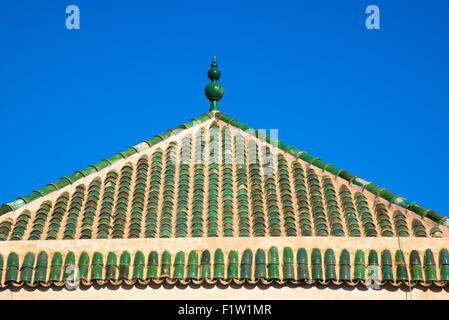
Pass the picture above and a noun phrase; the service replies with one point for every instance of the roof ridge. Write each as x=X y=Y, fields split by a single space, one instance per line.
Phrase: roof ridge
x=65 y=181
x=317 y=162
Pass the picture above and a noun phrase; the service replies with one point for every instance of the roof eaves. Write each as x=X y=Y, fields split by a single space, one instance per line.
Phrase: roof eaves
x=253 y=267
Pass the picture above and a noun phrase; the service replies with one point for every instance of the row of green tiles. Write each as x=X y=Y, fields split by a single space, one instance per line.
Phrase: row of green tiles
x=150 y=227
x=316 y=202
x=213 y=191
x=139 y=195
x=313 y=265
x=181 y=215
x=333 y=209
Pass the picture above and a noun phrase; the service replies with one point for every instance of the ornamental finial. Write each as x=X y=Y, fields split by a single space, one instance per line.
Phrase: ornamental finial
x=214 y=90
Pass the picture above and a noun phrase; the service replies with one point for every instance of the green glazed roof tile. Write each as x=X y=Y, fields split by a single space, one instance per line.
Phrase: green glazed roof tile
x=28 y=261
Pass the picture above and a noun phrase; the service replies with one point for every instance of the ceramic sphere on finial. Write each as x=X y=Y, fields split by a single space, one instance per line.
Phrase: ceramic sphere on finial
x=214 y=91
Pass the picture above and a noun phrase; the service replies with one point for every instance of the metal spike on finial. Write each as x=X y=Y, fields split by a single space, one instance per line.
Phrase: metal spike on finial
x=214 y=63
x=214 y=91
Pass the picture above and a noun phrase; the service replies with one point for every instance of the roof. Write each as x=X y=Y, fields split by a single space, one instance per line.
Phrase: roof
x=217 y=180
x=127 y=195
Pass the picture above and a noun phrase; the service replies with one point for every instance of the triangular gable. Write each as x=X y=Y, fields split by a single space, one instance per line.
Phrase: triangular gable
x=126 y=196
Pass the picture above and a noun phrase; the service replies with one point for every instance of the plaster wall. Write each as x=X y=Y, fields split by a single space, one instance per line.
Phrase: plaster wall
x=234 y=293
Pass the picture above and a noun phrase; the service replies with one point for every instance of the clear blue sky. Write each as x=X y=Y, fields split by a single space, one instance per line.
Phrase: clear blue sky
x=372 y=102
